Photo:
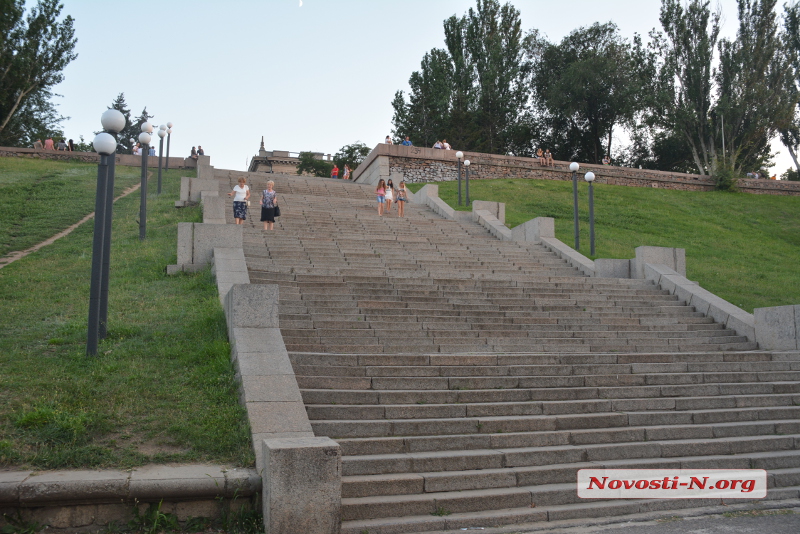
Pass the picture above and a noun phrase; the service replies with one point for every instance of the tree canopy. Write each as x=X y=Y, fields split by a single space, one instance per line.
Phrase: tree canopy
x=687 y=99
x=34 y=50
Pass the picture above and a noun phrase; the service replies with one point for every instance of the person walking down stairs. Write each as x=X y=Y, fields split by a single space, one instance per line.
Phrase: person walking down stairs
x=242 y=195
x=380 y=191
x=269 y=201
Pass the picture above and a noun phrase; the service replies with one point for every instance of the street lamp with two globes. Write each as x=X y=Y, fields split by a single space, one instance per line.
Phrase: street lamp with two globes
x=105 y=144
x=144 y=139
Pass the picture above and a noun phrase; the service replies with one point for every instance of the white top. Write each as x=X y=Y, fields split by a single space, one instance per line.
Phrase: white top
x=446 y=146
x=241 y=193
x=389 y=193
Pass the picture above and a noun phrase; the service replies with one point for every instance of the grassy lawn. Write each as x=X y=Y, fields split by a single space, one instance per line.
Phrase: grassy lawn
x=162 y=388
x=39 y=198
x=743 y=247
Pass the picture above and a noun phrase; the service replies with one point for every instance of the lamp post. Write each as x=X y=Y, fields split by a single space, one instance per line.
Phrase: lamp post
x=162 y=131
x=169 y=134
x=144 y=139
x=466 y=177
x=459 y=157
x=589 y=177
x=113 y=121
x=574 y=168
x=106 y=145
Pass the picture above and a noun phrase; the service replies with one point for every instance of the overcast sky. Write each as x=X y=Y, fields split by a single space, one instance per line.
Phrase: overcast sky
x=312 y=77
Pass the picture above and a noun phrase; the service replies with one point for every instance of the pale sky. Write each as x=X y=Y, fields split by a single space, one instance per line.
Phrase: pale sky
x=315 y=77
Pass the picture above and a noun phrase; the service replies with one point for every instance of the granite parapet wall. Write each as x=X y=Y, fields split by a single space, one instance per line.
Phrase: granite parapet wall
x=427 y=165
x=125 y=160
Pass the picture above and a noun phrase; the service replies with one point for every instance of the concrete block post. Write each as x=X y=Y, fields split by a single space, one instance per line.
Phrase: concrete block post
x=302 y=486
x=498 y=209
x=534 y=230
x=213 y=207
x=778 y=328
x=251 y=306
x=198 y=185
x=207 y=237
x=674 y=258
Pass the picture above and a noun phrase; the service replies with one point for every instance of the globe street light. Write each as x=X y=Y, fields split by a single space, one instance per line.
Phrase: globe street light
x=144 y=139
x=169 y=134
x=459 y=157
x=113 y=122
x=589 y=177
x=162 y=131
x=466 y=172
x=574 y=168
x=105 y=144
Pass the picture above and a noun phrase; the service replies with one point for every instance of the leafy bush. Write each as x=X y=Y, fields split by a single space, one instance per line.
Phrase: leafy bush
x=309 y=164
x=352 y=155
x=791 y=175
x=725 y=179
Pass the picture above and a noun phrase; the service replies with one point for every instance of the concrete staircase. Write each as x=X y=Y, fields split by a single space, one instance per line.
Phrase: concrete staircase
x=467 y=380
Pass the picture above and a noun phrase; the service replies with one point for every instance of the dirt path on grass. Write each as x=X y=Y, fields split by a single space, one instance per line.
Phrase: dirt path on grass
x=11 y=257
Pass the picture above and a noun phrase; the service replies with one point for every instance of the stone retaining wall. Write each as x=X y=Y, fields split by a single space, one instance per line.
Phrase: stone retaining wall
x=125 y=160
x=426 y=165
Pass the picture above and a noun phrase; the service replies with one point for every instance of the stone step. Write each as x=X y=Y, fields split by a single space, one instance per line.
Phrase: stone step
x=784 y=466
x=527 y=515
x=494 y=360
x=456 y=461
x=348 y=396
x=526 y=382
x=423 y=408
x=711 y=431
x=528 y=423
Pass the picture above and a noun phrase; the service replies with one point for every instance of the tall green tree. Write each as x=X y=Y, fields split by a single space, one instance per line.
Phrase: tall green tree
x=590 y=84
x=683 y=95
x=34 y=50
x=474 y=92
x=790 y=135
x=124 y=146
x=426 y=114
x=495 y=44
x=352 y=155
x=460 y=131
x=751 y=80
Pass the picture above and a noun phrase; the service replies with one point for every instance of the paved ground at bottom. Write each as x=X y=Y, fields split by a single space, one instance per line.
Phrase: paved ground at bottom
x=777 y=518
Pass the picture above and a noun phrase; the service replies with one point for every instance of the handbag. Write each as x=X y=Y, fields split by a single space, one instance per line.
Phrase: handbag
x=277 y=211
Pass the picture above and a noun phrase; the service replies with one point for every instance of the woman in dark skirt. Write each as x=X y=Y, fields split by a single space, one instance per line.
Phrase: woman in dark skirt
x=269 y=200
x=242 y=195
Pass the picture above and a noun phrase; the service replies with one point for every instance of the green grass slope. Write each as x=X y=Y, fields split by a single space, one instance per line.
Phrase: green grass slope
x=743 y=247
x=162 y=388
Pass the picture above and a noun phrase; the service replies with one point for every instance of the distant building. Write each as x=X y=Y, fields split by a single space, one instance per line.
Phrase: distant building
x=279 y=161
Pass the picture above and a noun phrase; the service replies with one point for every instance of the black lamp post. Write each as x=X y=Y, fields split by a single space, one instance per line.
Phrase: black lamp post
x=144 y=139
x=169 y=134
x=466 y=177
x=162 y=131
x=105 y=144
x=574 y=168
x=459 y=157
x=590 y=178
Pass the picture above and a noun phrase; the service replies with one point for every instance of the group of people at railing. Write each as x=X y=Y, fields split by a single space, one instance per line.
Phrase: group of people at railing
x=62 y=145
